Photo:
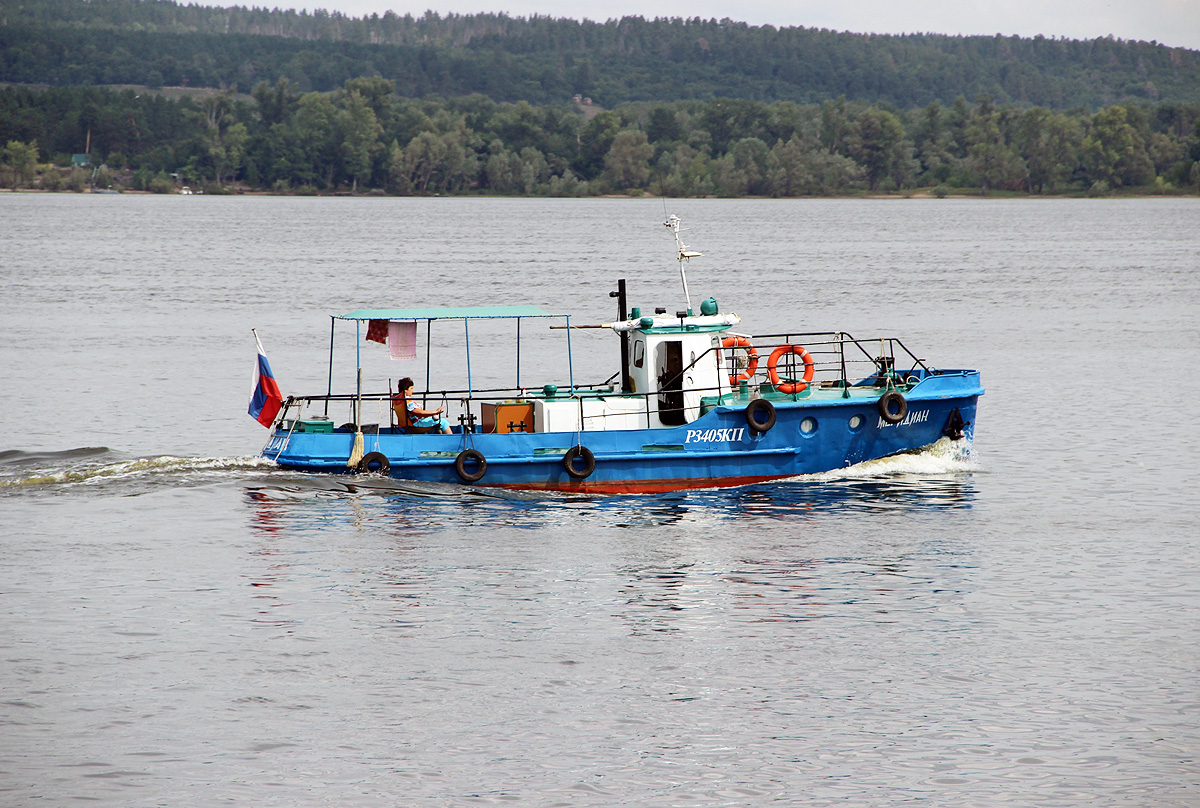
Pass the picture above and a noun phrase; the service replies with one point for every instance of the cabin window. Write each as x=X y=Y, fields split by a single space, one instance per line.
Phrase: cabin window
x=639 y=353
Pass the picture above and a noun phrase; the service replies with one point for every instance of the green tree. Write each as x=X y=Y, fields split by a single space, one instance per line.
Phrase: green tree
x=222 y=135
x=627 y=164
x=460 y=169
x=729 y=120
x=1049 y=142
x=275 y=104
x=685 y=172
x=932 y=144
x=662 y=126
x=535 y=171
x=788 y=171
x=394 y=169
x=1164 y=151
x=376 y=91
x=423 y=157
x=566 y=184
x=1113 y=151
x=834 y=173
x=52 y=179
x=313 y=140
x=520 y=126
x=500 y=170
x=878 y=144
x=359 y=132
x=835 y=125
x=993 y=161
x=744 y=169
x=19 y=162
x=595 y=140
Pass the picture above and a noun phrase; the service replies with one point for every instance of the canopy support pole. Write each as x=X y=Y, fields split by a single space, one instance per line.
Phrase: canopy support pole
x=329 y=390
x=467 y=334
x=358 y=361
x=428 y=351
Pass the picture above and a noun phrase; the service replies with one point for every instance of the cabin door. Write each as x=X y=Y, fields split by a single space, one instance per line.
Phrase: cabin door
x=669 y=366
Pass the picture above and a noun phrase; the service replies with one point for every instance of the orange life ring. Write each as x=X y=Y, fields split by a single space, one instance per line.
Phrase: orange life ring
x=751 y=354
x=791 y=386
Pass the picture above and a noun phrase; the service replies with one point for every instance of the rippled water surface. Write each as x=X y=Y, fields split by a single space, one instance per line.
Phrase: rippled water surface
x=184 y=624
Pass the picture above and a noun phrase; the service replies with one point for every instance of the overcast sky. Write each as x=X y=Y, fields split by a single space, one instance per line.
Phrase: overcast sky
x=1170 y=22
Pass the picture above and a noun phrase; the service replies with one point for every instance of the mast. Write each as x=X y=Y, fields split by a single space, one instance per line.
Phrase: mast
x=673 y=223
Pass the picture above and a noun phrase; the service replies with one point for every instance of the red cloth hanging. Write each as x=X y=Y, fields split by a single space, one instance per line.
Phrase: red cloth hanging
x=377 y=331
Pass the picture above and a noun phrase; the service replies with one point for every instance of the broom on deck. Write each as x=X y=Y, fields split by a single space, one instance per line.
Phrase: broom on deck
x=356 y=452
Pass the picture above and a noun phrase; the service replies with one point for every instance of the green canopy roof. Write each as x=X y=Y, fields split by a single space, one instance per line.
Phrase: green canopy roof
x=465 y=312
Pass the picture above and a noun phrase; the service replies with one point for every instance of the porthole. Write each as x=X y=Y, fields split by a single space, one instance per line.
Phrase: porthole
x=808 y=427
x=856 y=423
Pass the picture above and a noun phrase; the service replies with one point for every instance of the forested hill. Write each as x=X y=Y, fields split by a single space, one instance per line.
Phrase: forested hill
x=548 y=60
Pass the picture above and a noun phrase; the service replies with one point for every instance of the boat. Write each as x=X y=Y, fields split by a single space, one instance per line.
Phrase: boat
x=695 y=403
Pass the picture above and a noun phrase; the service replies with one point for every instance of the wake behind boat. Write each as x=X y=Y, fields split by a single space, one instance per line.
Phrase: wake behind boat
x=693 y=404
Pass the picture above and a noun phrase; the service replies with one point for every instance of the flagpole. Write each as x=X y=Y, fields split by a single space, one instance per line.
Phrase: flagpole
x=266 y=390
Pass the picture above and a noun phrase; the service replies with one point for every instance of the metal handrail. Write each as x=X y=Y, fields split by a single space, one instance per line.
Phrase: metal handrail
x=829 y=353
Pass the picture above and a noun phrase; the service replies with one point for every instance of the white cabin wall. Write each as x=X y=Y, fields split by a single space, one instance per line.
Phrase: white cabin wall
x=598 y=413
x=704 y=373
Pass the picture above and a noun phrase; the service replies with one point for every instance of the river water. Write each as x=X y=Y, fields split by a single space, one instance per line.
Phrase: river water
x=183 y=624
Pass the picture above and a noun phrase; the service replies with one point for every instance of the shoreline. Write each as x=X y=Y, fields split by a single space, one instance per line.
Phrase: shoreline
x=916 y=194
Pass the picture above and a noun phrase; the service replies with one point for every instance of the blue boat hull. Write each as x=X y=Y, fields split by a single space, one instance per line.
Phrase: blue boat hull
x=810 y=435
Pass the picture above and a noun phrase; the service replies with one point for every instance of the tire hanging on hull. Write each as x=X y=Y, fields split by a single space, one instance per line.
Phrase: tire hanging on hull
x=374 y=463
x=760 y=423
x=889 y=413
x=470 y=456
x=579 y=453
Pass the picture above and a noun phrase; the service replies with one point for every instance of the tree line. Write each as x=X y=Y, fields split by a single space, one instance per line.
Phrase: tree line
x=546 y=60
x=364 y=137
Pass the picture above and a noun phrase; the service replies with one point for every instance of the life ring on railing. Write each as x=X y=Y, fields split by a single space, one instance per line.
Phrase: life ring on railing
x=890 y=414
x=751 y=356
x=470 y=456
x=790 y=386
x=579 y=453
x=374 y=463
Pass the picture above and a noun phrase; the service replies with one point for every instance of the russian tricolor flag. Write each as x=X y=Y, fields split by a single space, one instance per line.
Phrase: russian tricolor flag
x=266 y=399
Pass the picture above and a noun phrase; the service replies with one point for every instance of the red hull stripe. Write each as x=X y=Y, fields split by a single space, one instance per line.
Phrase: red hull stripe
x=637 y=486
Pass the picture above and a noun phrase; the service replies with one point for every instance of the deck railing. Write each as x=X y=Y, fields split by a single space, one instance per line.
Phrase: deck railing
x=840 y=362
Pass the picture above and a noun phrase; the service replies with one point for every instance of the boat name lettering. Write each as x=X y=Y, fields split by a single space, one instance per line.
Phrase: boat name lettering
x=276 y=443
x=914 y=417
x=715 y=435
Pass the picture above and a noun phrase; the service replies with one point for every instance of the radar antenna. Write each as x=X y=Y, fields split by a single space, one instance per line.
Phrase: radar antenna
x=674 y=224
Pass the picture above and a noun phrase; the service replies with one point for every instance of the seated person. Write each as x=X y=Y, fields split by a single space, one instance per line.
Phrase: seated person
x=418 y=417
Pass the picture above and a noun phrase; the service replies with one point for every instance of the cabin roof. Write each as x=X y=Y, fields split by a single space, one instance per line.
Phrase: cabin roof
x=459 y=313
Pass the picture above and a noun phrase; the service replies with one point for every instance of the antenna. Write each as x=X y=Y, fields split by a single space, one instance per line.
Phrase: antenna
x=673 y=223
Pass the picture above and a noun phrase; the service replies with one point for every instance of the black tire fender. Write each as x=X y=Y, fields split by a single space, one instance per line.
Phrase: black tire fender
x=374 y=463
x=754 y=421
x=577 y=453
x=892 y=407
x=470 y=456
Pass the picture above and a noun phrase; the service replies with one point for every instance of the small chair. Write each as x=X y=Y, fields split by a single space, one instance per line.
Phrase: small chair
x=403 y=422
